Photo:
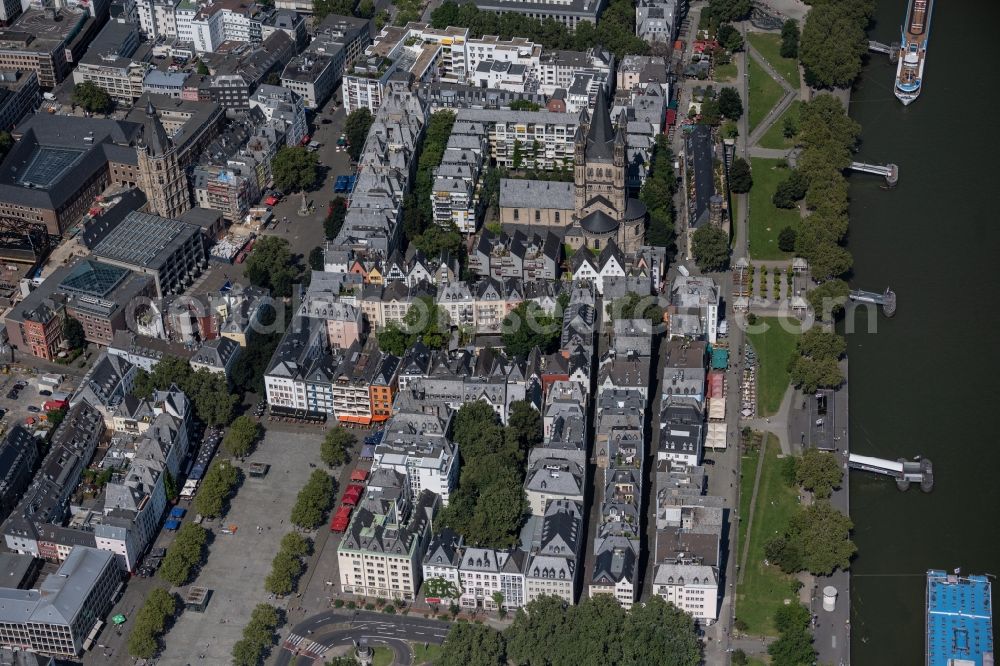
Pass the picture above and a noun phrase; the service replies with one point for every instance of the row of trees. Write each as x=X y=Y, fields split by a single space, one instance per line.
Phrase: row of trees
x=595 y=631
x=287 y=565
x=184 y=554
x=658 y=194
x=208 y=392
x=242 y=435
x=149 y=624
x=828 y=137
x=816 y=364
x=258 y=636
x=418 y=216
x=216 y=488
x=717 y=106
x=833 y=42
x=489 y=504
x=615 y=30
x=313 y=501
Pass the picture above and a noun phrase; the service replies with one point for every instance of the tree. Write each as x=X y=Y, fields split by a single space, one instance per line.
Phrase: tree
x=498 y=599
x=828 y=299
x=216 y=488
x=819 y=472
x=524 y=105
x=789 y=127
x=313 y=500
x=270 y=266
x=184 y=554
x=791 y=618
x=203 y=68
x=335 y=218
x=440 y=588
x=832 y=45
x=436 y=239
x=150 y=623
x=822 y=535
x=169 y=483
x=729 y=10
x=790 y=39
x=285 y=571
x=634 y=306
x=526 y=327
x=241 y=436
x=790 y=190
x=729 y=38
x=740 y=177
x=335 y=446
x=792 y=649
x=820 y=343
x=247 y=652
x=316 y=259
x=294 y=168
x=524 y=425
x=74 y=333
x=92 y=97
x=356 y=127
x=810 y=374
x=826 y=260
x=392 y=339
x=658 y=628
x=473 y=645
x=730 y=104
x=427 y=322
x=711 y=248
x=786 y=239
x=247 y=375
x=366 y=9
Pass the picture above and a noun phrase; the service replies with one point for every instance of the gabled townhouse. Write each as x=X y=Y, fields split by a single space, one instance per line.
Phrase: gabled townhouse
x=441 y=563
x=682 y=431
x=549 y=478
x=105 y=385
x=554 y=552
x=485 y=572
x=415 y=443
x=684 y=369
x=382 y=551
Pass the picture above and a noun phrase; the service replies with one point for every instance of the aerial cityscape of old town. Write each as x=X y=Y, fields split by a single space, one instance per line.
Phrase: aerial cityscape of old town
x=465 y=333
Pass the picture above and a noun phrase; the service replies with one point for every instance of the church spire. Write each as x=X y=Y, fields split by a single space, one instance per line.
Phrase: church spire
x=600 y=138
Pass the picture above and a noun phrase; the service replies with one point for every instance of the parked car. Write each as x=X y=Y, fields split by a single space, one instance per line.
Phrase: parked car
x=33 y=409
x=45 y=392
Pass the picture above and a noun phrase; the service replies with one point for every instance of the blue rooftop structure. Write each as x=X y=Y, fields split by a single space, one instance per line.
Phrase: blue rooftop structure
x=959 y=620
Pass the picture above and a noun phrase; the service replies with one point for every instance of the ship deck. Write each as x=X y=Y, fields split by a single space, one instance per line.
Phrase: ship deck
x=959 y=619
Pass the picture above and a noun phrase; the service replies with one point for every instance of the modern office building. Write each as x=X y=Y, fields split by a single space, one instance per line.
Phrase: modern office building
x=57 y=618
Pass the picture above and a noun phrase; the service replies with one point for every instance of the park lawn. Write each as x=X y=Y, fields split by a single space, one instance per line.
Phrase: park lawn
x=725 y=73
x=775 y=347
x=774 y=137
x=383 y=656
x=748 y=470
x=769 y=45
x=766 y=219
x=764 y=93
x=764 y=588
x=425 y=655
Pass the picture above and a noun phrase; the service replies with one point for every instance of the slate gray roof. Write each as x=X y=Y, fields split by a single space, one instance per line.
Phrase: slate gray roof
x=518 y=193
x=145 y=240
x=62 y=595
x=216 y=353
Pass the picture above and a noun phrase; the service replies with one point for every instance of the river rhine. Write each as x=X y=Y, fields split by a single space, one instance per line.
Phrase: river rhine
x=928 y=382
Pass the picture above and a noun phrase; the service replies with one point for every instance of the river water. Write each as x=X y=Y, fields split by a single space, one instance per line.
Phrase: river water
x=926 y=383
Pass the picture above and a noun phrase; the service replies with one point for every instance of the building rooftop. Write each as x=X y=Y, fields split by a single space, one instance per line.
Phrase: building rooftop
x=145 y=240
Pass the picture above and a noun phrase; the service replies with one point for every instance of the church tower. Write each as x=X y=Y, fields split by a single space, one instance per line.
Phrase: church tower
x=580 y=161
x=160 y=176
